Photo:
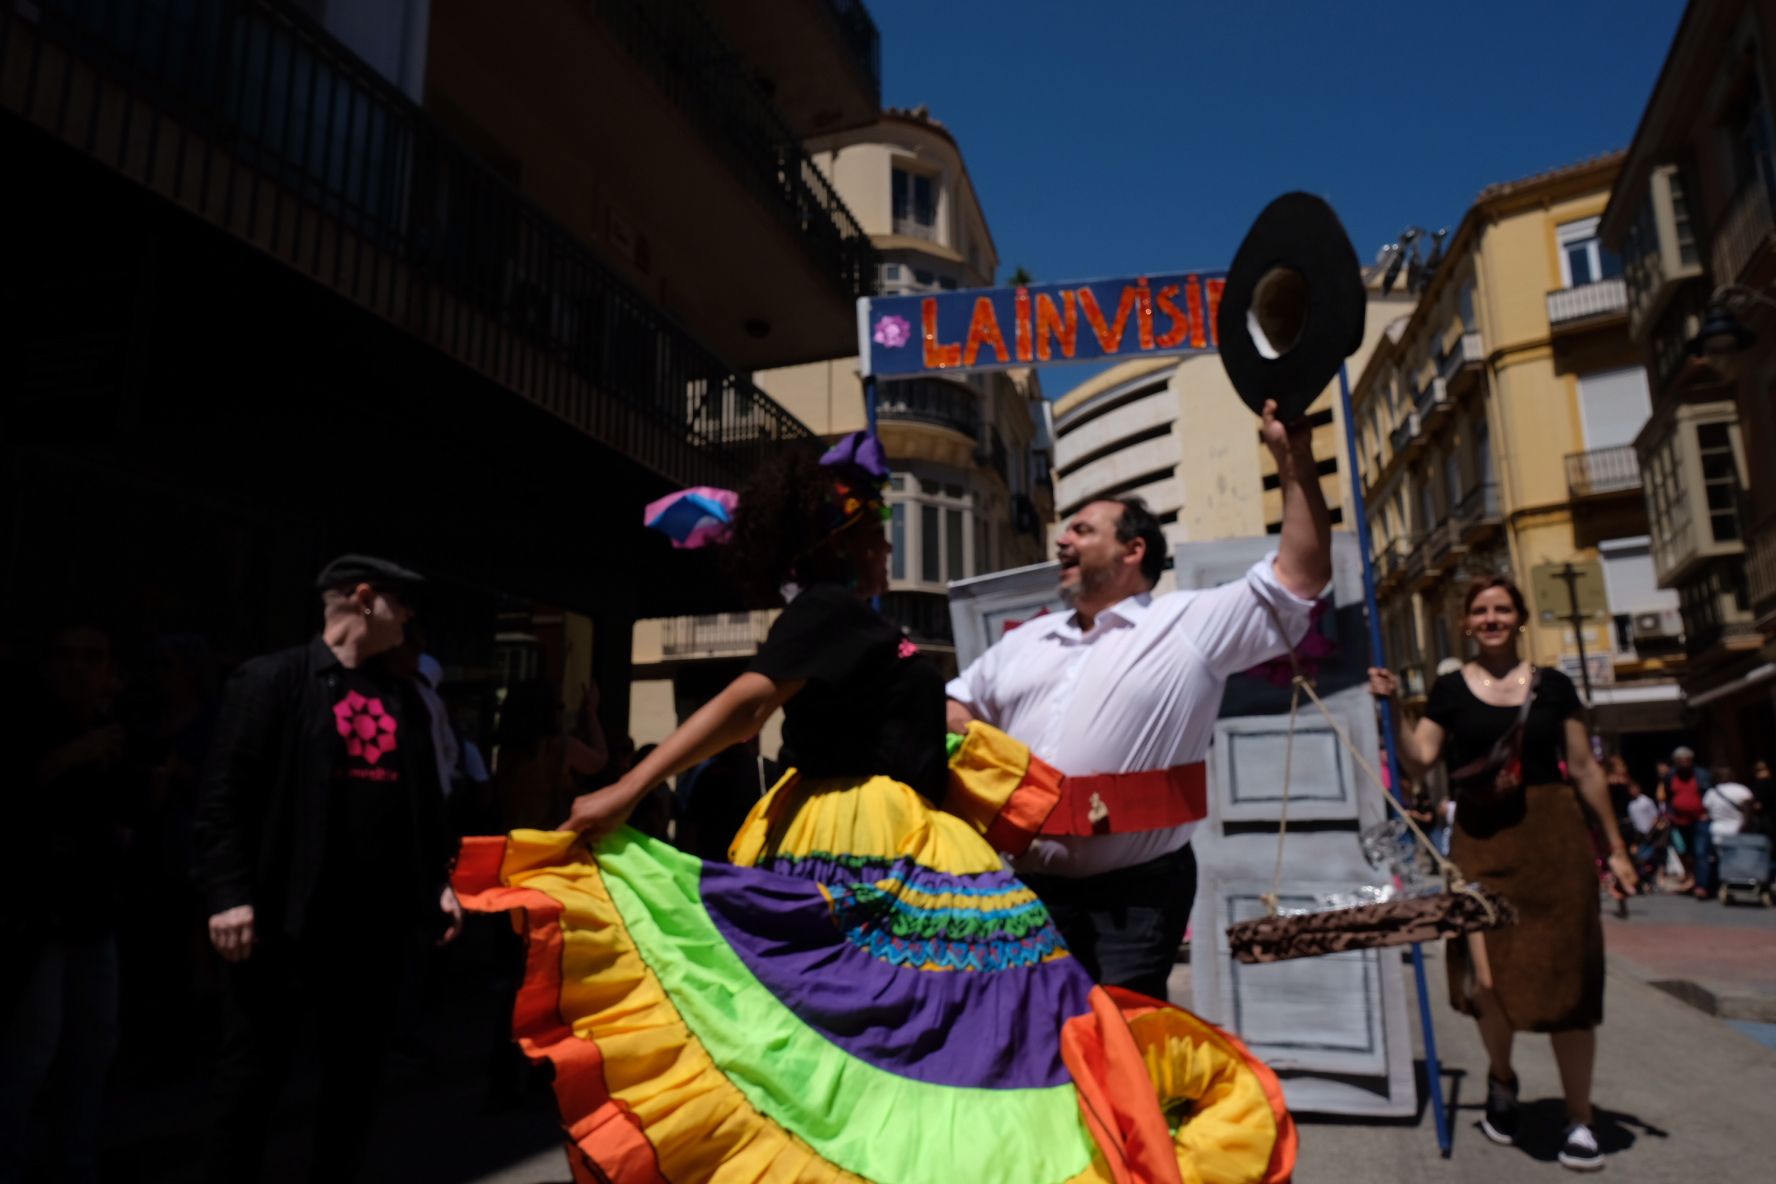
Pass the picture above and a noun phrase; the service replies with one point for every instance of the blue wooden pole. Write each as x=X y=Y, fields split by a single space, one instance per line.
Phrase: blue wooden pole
x=869 y=419
x=1433 y=1067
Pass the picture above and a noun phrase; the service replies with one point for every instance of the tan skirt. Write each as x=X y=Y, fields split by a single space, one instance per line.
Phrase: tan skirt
x=1535 y=850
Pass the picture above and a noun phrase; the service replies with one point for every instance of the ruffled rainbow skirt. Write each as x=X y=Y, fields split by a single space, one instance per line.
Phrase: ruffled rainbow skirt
x=866 y=994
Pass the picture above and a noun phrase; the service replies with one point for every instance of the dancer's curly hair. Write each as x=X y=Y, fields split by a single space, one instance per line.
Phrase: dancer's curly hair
x=782 y=527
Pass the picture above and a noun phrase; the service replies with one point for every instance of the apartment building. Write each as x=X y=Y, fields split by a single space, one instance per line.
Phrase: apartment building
x=1496 y=427
x=1690 y=215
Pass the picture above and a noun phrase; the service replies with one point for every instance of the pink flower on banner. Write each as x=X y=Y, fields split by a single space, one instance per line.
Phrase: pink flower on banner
x=1314 y=647
x=907 y=648
x=366 y=727
x=892 y=332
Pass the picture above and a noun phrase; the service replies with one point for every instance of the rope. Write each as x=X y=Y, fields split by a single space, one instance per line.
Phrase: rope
x=1272 y=897
x=1452 y=875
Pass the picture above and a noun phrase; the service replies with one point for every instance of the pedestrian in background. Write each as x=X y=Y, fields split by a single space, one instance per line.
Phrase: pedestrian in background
x=1763 y=792
x=73 y=793
x=323 y=859
x=535 y=763
x=1521 y=832
x=1682 y=792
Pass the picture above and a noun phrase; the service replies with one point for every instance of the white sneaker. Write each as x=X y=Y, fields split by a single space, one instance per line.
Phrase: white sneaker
x=1580 y=1151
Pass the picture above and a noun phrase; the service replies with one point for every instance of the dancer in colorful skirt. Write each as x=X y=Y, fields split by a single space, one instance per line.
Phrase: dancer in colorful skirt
x=866 y=992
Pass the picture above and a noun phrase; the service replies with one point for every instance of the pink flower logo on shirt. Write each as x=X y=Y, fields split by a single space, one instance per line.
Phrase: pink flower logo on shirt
x=907 y=648
x=366 y=727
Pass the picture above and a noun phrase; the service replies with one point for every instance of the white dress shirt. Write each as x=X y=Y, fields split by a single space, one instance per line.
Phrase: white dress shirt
x=1139 y=690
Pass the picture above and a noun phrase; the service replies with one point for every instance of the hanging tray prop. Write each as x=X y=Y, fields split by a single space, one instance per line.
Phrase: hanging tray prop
x=1461 y=907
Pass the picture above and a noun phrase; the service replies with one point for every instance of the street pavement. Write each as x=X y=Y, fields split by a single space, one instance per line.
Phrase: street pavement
x=1682 y=1095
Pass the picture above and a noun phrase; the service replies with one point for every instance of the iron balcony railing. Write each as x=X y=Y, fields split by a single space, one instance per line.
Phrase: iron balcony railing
x=249 y=114
x=1390 y=561
x=932 y=401
x=858 y=29
x=1479 y=507
x=913 y=228
x=699 y=71
x=1601 y=299
x=1444 y=542
x=1406 y=432
x=1432 y=400
x=1745 y=227
x=1467 y=351
x=1602 y=470
x=1760 y=572
x=716 y=633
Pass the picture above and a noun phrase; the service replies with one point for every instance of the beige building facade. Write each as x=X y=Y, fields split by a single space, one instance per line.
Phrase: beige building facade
x=1495 y=429
x=1174 y=433
x=971 y=491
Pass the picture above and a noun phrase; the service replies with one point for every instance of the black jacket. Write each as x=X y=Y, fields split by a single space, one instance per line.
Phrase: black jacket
x=262 y=817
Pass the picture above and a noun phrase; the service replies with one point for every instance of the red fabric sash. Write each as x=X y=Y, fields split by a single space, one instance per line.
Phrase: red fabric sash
x=1126 y=803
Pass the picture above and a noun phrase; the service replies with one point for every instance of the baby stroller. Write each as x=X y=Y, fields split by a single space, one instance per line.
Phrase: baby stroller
x=1744 y=867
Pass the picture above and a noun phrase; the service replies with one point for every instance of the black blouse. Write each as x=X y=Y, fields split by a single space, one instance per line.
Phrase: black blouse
x=1472 y=727
x=873 y=703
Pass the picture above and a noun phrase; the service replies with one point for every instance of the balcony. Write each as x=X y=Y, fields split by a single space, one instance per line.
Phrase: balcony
x=1444 y=546
x=1478 y=513
x=931 y=401
x=1407 y=435
x=820 y=60
x=1462 y=362
x=1659 y=250
x=1603 y=471
x=1760 y=575
x=255 y=119
x=1433 y=403
x=714 y=635
x=913 y=228
x=1744 y=229
x=1418 y=560
x=1390 y=563
x=1587 y=304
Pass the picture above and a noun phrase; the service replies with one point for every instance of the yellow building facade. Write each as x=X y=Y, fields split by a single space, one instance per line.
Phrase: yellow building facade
x=1495 y=428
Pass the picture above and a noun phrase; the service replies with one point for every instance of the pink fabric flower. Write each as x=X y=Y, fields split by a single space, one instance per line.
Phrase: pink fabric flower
x=907 y=648
x=892 y=332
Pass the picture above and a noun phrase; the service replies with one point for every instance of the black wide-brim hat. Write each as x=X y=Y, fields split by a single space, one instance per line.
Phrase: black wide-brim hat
x=1284 y=338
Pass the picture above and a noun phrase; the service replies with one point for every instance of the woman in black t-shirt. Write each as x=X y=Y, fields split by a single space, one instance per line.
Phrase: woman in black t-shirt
x=1522 y=832
x=867 y=988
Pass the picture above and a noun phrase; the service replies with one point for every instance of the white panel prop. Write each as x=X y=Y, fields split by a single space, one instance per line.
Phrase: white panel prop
x=1335 y=1028
x=982 y=608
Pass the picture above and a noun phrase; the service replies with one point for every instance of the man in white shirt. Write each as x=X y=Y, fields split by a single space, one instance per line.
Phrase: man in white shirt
x=1728 y=804
x=1121 y=695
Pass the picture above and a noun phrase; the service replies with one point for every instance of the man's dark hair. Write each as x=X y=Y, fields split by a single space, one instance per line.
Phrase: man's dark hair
x=1138 y=522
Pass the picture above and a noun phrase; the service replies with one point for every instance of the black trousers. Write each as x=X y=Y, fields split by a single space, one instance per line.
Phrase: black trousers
x=1124 y=926
x=345 y=975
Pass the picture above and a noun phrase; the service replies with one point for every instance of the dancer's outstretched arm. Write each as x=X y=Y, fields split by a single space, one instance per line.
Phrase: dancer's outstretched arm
x=734 y=715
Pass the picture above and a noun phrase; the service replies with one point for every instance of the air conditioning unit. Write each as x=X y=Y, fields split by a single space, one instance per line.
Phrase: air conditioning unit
x=1661 y=625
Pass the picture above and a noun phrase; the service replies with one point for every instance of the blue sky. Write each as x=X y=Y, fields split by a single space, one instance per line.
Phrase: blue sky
x=1125 y=137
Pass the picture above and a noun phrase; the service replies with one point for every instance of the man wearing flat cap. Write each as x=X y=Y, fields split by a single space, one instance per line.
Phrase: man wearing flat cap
x=322 y=857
